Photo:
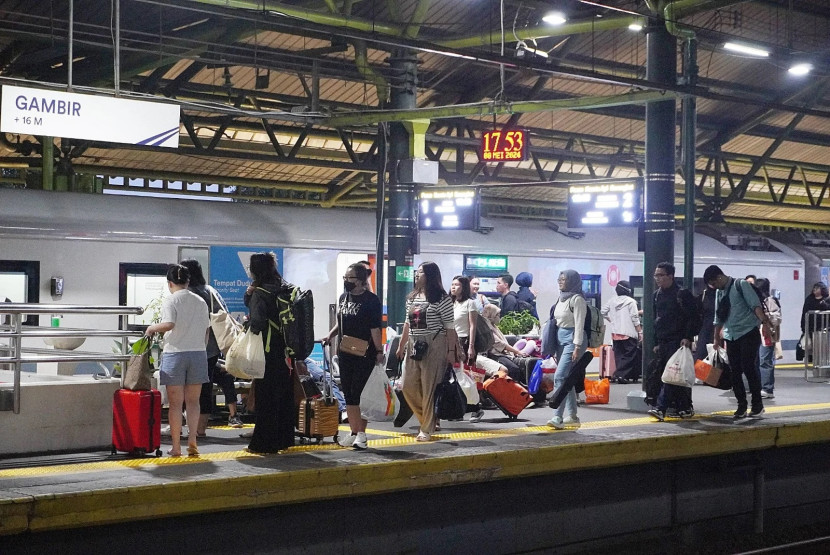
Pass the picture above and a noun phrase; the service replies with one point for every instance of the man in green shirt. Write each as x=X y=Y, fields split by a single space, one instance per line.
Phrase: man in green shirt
x=737 y=314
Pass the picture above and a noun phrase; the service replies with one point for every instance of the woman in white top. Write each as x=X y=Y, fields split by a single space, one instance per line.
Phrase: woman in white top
x=626 y=332
x=464 y=318
x=428 y=327
x=569 y=313
x=185 y=324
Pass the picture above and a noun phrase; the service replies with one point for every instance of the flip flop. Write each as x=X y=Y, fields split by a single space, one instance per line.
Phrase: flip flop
x=170 y=452
x=192 y=451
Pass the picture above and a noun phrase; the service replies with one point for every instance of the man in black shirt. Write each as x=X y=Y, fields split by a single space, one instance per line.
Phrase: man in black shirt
x=509 y=302
x=673 y=327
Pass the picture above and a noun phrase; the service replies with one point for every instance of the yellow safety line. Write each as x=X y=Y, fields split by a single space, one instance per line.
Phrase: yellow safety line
x=395 y=439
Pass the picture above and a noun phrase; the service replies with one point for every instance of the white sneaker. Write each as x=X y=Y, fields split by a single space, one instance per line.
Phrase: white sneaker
x=572 y=423
x=476 y=416
x=767 y=395
x=360 y=441
x=347 y=440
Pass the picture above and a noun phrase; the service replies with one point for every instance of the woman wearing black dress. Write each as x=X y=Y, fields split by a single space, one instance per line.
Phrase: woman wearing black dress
x=275 y=411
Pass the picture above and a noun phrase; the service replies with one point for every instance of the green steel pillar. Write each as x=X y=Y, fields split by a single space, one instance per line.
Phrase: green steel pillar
x=661 y=67
x=48 y=163
x=688 y=158
x=401 y=223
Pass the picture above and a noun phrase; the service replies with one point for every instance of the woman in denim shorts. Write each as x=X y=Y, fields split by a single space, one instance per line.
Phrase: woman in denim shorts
x=185 y=324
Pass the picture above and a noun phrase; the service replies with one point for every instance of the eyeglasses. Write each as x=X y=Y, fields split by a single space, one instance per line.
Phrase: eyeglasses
x=660 y=275
x=350 y=278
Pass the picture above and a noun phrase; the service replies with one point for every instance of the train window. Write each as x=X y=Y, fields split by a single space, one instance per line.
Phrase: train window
x=20 y=283
x=142 y=284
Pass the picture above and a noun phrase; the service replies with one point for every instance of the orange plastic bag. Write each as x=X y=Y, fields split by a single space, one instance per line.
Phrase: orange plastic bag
x=597 y=392
x=702 y=369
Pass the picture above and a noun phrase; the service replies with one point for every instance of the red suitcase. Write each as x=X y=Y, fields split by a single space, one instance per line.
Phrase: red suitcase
x=136 y=422
x=510 y=396
x=607 y=364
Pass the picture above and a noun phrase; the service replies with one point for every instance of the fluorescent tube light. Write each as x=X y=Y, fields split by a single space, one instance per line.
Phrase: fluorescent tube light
x=636 y=27
x=554 y=18
x=745 y=49
x=800 y=69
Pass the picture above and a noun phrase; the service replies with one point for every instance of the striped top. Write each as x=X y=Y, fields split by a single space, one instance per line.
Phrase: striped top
x=427 y=318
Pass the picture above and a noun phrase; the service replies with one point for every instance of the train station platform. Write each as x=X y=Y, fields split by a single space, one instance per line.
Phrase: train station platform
x=81 y=490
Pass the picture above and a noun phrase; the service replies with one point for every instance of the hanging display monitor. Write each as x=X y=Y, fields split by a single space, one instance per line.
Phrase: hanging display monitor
x=448 y=209
x=605 y=204
x=504 y=145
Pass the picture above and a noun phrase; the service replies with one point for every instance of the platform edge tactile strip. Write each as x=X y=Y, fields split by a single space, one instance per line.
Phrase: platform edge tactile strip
x=109 y=506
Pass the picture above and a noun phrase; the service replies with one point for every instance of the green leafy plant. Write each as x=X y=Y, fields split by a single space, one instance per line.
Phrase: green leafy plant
x=517 y=323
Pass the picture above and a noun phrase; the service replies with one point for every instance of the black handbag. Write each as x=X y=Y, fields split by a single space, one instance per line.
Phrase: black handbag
x=450 y=400
x=799 y=349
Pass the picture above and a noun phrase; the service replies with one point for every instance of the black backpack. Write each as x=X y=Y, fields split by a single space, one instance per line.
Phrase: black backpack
x=522 y=305
x=296 y=314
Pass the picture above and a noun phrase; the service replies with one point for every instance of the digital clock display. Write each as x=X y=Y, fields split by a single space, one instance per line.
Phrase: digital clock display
x=448 y=209
x=612 y=204
x=506 y=145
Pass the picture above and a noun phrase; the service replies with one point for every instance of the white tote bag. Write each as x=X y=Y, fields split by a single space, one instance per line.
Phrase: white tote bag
x=680 y=369
x=246 y=357
x=468 y=386
x=378 y=401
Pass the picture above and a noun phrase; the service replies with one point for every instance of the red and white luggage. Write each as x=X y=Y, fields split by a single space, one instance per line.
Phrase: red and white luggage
x=607 y=365
x=510 y=396
x=136 y=421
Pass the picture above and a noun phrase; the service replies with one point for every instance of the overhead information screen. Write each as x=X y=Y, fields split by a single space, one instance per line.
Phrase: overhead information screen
x=448 y=209
x=610 y=204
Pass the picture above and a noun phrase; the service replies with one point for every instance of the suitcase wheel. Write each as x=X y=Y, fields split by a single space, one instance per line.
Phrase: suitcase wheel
x=158 y=452
x=512 y=418
x=113 y=450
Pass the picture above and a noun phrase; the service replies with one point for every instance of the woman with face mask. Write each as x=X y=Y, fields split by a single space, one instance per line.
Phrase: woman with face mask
x=359 y=317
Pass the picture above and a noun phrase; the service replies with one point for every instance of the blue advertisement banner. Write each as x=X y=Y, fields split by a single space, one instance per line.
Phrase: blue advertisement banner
x=229 y=273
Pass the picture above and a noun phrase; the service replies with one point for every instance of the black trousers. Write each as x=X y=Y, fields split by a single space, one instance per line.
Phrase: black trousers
x=627 y=359
x=742 y=353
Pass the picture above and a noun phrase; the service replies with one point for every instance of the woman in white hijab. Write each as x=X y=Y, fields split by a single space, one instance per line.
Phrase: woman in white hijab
x=569 y=313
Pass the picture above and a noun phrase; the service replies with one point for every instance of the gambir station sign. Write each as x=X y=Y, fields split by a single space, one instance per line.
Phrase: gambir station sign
x=94 y=118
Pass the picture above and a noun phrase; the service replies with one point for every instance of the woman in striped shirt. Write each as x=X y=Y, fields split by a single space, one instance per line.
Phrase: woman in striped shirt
x=429 y=321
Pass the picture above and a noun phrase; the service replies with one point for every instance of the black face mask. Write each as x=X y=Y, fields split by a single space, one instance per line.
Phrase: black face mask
x=349 y=286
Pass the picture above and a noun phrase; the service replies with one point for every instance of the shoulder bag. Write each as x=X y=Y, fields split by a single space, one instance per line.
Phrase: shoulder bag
x=351 y=345
x=225 y=328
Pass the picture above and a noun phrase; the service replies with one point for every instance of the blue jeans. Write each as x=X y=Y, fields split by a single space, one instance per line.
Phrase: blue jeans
x=766 y=364
x=565 y=337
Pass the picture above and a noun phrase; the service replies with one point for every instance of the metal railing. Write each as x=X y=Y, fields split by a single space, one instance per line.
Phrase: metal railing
x=16 y=332
x=817 y=348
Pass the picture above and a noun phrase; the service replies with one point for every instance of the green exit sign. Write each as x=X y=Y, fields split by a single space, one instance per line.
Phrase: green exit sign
x=404 y=273
x=485 y=262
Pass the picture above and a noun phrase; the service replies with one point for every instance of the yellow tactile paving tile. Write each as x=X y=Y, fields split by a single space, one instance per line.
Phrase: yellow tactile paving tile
x=392 y=439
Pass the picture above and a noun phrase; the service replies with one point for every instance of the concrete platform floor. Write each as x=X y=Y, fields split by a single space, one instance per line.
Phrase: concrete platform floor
x=82 y=489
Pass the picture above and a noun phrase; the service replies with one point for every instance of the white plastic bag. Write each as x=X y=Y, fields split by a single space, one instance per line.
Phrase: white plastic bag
x=246 y=357
x=468 y=385
x=680 y=369
x=378 y=401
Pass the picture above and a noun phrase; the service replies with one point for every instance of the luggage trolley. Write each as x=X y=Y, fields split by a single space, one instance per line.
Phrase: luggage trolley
x=817 y=350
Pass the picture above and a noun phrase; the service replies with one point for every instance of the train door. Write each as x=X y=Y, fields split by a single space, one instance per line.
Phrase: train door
x=591 y=289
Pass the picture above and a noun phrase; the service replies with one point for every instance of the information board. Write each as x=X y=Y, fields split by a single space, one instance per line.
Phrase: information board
x=610 y=204
x=448 y=209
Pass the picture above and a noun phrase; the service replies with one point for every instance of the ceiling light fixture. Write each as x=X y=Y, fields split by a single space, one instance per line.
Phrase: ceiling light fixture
x=554 y=18
x=636 y=27
x=800 y=69
x=746 y=49
x=522 y=47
